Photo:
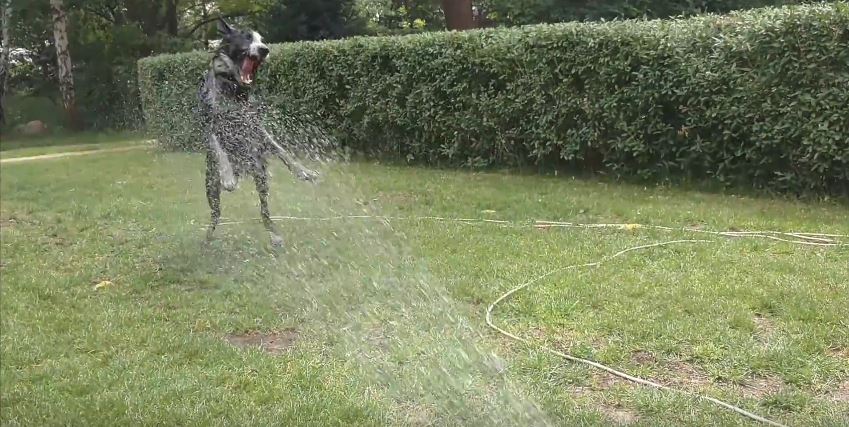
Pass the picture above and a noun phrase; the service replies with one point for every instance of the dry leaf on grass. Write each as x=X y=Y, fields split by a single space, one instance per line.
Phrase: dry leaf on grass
x=103 y=284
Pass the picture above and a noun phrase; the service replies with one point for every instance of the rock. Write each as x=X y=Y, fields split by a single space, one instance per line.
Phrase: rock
x=33 y=128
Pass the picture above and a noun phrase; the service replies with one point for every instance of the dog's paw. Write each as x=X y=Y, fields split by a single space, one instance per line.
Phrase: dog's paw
x=207 y=242
x=276 y=241
x=307 y=175
x=228 y=182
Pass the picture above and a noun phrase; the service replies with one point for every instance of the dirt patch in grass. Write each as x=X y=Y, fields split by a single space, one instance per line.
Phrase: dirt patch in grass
x=764 y=327
x=838 y=352
x=16 y=219
x=560 y=340
x=761 y=387
x=274 y=343
x=603 y=381
x=538 y=333
x=395 y=199
x=614 y=413
x=378 y=339
x=9 y=221
x=415 y=415
x=599 y=383
x=687 y=376
x=580 y=391
x=841 y=393
x=642 y=357
x=619 y=416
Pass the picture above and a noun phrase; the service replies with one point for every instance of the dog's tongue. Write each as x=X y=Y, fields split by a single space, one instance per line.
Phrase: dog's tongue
x=248 y=70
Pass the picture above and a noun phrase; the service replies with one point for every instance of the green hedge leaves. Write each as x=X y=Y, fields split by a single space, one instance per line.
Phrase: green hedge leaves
x=758 y=98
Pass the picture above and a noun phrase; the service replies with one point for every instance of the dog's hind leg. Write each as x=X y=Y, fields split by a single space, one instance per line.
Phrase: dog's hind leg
x=213 y=192
x=261 y=180
x=225 y=169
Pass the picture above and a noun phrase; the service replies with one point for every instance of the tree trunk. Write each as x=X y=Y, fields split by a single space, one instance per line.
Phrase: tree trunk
x=458 y=14
x=5 y=23
x=65 y=66
x=171 y=18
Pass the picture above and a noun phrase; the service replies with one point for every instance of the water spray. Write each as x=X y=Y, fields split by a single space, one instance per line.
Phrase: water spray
x=791 y=237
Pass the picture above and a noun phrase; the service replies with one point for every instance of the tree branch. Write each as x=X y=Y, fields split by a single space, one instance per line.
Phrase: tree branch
x=195 y=5
x=213 y=19
x=107 y=16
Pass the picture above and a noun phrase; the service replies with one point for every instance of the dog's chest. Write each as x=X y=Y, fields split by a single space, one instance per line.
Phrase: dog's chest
x=245 y=154
x=240 y=135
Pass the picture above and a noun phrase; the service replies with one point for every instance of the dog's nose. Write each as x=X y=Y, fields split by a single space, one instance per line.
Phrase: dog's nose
x=263 y=51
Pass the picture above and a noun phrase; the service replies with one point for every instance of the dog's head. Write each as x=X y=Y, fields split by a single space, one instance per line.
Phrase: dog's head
x=245 y=49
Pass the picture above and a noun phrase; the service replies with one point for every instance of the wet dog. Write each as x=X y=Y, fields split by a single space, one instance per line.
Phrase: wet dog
x=237 y=144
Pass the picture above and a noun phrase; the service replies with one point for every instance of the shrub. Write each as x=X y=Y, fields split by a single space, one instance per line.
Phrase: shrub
x=758 y=98
x=512 y=12
x=23 y=109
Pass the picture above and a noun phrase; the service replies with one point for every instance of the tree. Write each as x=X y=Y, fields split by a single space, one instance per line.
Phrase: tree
x=171 y=18
x=458 y=14
x=5 y=23
x=65 y=65
x=294 y=20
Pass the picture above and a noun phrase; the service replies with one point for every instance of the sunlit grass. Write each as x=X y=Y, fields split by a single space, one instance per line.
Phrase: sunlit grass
x=379 y=310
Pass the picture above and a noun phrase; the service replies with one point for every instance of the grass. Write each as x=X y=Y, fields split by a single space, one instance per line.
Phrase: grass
x=390 y=318
x=19 y=146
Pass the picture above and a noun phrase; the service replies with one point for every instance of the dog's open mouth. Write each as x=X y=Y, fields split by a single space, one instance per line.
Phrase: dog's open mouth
x=250 y=65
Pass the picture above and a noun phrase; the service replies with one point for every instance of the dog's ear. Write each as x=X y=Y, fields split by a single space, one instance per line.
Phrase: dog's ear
x=223 y=27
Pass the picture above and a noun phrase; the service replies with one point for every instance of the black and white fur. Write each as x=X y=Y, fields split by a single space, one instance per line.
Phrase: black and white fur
x=237 y=144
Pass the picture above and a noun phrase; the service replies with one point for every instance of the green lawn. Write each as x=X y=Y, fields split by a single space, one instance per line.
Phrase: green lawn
x=387 y=319
x=24 y=147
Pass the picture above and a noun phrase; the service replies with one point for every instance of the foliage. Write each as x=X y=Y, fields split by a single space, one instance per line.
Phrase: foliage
x=523 y=12
x=109 y=36
x=309 y=20
x=23 y=109
x=106 y=41
x=168 y=85
x=760 y=97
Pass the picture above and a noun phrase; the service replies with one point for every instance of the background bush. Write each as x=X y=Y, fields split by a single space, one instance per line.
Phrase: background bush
x=756 y=98
x=524 y=12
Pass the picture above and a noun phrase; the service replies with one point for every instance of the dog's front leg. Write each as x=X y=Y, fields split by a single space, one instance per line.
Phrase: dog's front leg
x=225 y=169
x=296 y=168
x=213 y=192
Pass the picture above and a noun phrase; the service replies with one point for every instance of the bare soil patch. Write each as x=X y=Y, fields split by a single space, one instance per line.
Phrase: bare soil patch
x=761 y=387
x=392 y=198
x=275 y=343
x=688 y=376
x=841 y=394
x=764 y=327
x=603 y=381
x=416 y=415
x=642 y=357
x=839 y=352
x=619 y=416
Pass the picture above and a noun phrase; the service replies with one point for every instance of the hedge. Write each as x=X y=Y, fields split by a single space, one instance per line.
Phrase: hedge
x=757 y=98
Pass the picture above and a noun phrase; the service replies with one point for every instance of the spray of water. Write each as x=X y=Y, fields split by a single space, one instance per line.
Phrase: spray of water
x=362 y=297
x=359 y=292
